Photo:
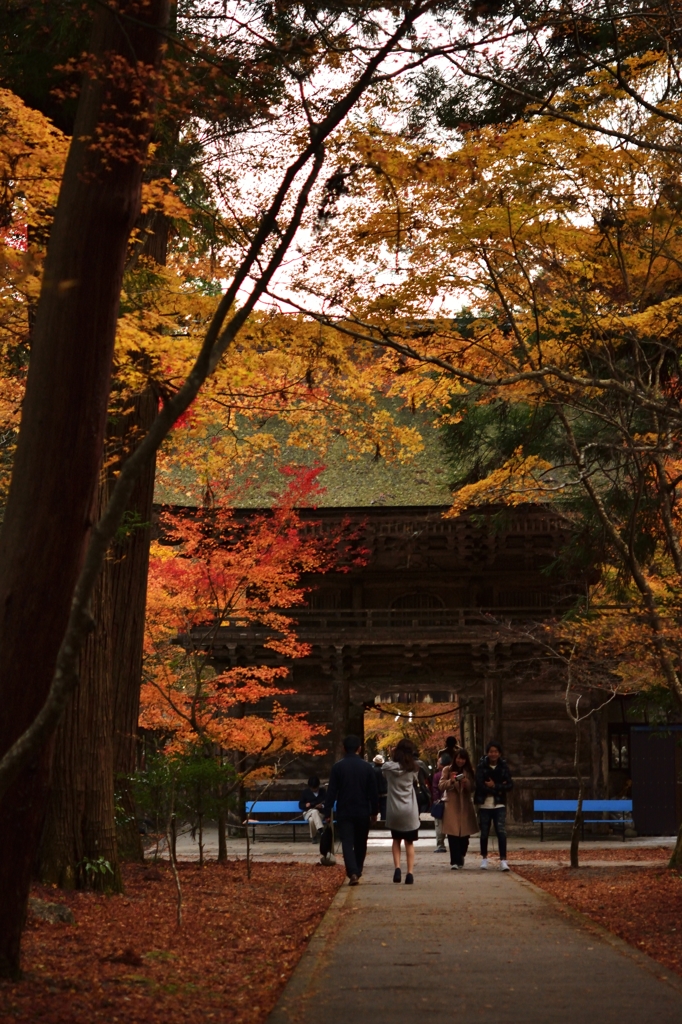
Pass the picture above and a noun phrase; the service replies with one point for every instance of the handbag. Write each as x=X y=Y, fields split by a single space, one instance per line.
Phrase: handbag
x=438 y=809
x=423 y=798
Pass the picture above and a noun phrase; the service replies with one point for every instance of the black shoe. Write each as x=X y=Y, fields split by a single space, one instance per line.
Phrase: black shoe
x=409 y=878
x=353 y=880
x=396 y=875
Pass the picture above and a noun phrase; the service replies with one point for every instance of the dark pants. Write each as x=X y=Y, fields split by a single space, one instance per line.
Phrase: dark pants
x=353 y=833
x=458 y=849
x=498 y=817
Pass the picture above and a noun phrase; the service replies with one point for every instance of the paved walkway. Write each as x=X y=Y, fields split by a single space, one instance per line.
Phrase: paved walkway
x=469 y=947
x=303 y=850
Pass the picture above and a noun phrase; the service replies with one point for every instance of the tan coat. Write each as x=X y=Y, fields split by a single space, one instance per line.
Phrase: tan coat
x=459 y=816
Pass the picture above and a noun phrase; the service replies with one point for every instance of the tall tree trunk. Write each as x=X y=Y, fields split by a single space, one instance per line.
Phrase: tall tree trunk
x=95 y=744
x=119 y=630
x=129 y=593
x=129 y=598
x=222 y=839
x=676 y=859
x=578 y=820
x=64 y=412
x=79 y=826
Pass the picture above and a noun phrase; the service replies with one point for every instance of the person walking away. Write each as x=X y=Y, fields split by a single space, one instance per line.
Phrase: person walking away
x=402 y=810
x=353 y=787
x=457 y=784
x=436 y=797
x=312 y=805
x=493 y=782
x=382 y=784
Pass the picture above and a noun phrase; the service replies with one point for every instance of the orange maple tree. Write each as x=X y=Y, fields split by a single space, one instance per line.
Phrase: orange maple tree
x=212 y=570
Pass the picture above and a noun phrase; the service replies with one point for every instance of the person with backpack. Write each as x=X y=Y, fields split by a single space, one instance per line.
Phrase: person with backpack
x=353 y=787
x=459 y=818
x=493 y=782
x=402 y=809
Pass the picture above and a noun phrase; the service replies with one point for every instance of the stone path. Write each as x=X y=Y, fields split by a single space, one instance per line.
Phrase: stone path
x=467 y=946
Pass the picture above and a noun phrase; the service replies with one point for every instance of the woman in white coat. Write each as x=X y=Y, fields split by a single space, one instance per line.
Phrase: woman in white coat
x=402 y=810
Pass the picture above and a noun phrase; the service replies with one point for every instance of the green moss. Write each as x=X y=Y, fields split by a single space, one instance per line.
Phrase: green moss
x=349 y=480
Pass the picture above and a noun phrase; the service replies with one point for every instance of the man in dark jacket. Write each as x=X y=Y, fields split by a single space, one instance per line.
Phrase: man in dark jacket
x=353 y=787
x=312 y=805
x=493 y=782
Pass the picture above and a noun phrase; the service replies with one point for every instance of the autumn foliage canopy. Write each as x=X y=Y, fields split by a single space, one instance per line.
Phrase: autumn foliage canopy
x=213 y=570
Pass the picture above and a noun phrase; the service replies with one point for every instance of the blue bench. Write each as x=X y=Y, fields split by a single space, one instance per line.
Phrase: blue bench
x=623 y=808
x=279 y=808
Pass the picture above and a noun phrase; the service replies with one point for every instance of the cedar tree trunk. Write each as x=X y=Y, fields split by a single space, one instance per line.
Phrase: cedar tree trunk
x=60 y=443
x=96 y=742
x=79 y=833
x=129 y=600
x=129 y=593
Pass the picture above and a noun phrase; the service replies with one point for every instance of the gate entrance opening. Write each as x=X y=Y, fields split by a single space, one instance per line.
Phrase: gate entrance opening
x=426 y=723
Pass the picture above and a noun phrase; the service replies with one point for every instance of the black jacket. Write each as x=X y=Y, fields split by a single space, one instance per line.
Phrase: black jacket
x=382 y=781
x=353 y=785
x=308 y=797
x=500 y=775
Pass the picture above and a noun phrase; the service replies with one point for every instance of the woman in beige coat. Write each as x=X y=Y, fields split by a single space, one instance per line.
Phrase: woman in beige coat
x=459 y=818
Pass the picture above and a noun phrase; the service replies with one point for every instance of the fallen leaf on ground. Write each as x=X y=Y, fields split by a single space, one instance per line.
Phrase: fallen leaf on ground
x=125 y=960
x=636 y=853
x=643 y=906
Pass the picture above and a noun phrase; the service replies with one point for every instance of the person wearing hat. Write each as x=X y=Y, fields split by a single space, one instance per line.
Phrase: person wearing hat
x=382 y=784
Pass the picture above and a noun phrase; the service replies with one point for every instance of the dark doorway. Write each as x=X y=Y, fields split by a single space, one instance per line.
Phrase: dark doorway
x=656 y=765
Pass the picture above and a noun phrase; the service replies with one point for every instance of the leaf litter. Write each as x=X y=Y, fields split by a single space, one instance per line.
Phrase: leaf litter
x=642 y=905
x=599 y=853
x=124 y=960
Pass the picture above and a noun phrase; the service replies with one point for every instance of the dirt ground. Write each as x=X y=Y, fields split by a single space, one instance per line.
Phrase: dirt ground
x=642 y=905
x=124 y=960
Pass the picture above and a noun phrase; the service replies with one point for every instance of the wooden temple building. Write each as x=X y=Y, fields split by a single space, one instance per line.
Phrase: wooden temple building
x=437 y=614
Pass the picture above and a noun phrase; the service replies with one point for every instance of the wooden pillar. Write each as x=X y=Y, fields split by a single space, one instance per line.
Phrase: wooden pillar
x=599 y=754
x=340 y=702
x=356 y=720
x=492 y=715
x=469 y=734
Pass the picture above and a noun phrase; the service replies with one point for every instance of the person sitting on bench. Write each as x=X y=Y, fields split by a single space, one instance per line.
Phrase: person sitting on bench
x=312 y=805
